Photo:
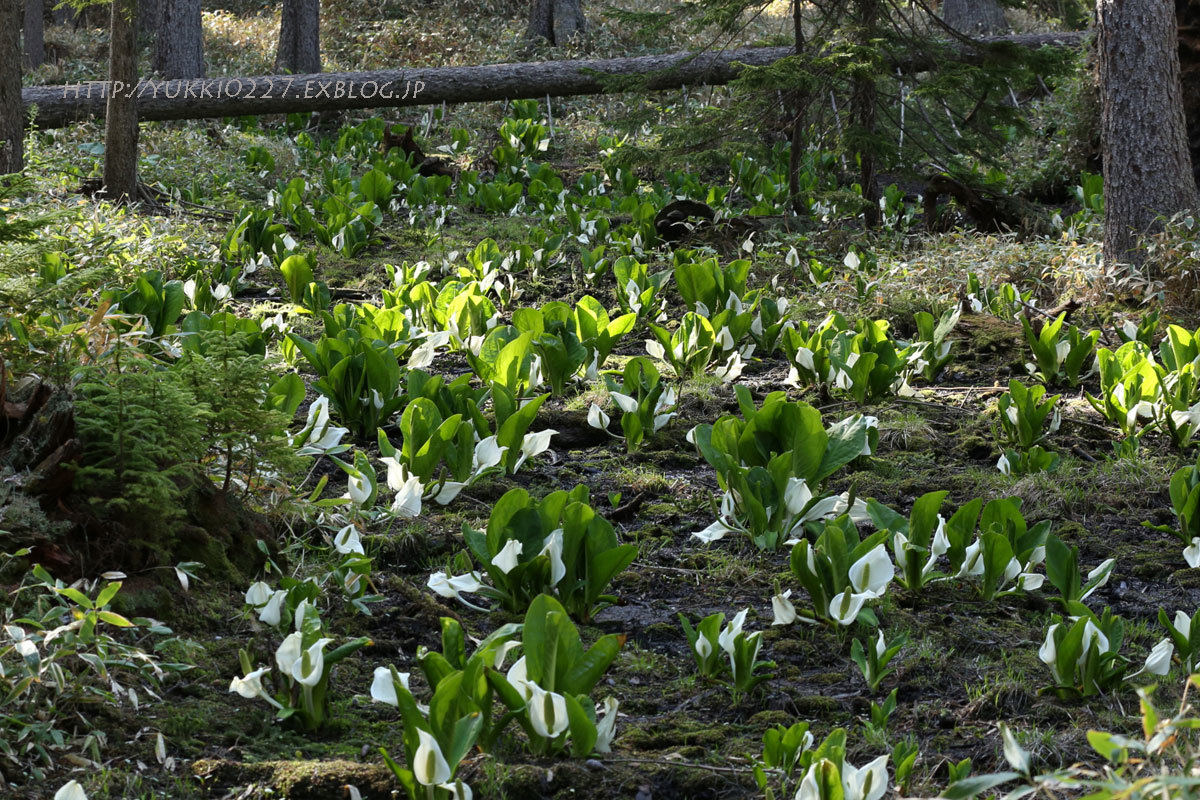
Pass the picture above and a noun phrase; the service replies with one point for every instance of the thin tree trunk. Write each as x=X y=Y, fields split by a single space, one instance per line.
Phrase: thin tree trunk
x=179 y=44
x=35 y=36
x=12 y=109
x=974 y=17
x=121 y=131
x=862 y=104
x=1147 y=169
x=299 y=51
x=1187 y=18
x=556 y=21
x=800 y=103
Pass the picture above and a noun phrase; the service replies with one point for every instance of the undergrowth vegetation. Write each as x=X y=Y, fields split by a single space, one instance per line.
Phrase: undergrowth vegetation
x=333 y=478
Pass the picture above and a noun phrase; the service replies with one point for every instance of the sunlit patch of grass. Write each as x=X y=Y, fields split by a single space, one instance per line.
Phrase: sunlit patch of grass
x=905 y=430
x=1078 y=488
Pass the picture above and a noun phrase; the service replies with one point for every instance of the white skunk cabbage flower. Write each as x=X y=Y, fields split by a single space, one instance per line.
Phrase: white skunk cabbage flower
x=1191 y=553
x=607 y=726
x=288 y=653
x=1159 y=660
x=509 y=556
x=547 y=712
x=785 y=612
x=271 y=612
x=597 y=418
x=873 y=572
x=534 y=444
x=865 y=783
x=250 y=686
x=429 y=765
x=71 y=790
x=347 y=541
x=310 y=667
x=732 y=630
x=258 y=594
x=454 y=587
x=844 y=608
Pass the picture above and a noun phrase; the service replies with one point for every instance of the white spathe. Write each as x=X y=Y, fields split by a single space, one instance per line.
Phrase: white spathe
x=547 y=712
x=258 y=594
x=348 y=541
x=873 y=572
x=271 y=612
x=71 y=790
x=250 y=686
x=784 y=611
x=429 y=765
x=509 y=556
x=289 y=652
x=310 y=667
x=607 y=726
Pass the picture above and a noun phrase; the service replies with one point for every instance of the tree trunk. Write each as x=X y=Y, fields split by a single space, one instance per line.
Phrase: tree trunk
x=299 y=51
x=150 y=20
x=179 y=44
x=800 y=101
x=974 y=17
x=556 y=21
x=121 y=131
x=12 y=109
x=1187 y=18
x=58 y=106
x=1147 y=169
x=35 y=37
x=862 y=105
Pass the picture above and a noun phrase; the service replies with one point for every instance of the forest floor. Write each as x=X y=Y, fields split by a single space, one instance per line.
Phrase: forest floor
x=967 y=665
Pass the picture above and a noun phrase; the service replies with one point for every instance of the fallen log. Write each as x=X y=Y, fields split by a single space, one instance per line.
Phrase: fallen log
x=58 y=106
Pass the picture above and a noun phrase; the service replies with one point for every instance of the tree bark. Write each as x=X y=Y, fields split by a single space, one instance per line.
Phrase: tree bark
x=1147 y=168
x=34 y=34
x=179 y=43
x=800 y=101
x=556 y=21
x=12 y=110
x=299 y=51
x=1187 y=18
x=862 y=104
x=974 y=17
x=149 y=20
x=58 y=106
x=121 y=130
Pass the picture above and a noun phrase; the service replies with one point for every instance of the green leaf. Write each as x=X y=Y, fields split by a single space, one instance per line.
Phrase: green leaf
x=972 y=787
x=114 y=619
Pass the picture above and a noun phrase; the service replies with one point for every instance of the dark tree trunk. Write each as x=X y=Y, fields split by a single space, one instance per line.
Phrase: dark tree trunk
x=1147 y=169
x=800 y=100
x=179 y=43
x=974 y=17
x=1187 y=17
x=299 y=51
x=35 y=36
x=121 y=130
x=862 y=106
x=149 y=20
x=556 y=21
x=12 y=109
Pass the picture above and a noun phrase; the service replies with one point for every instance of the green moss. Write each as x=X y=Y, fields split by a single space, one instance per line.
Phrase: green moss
x=673 y=731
